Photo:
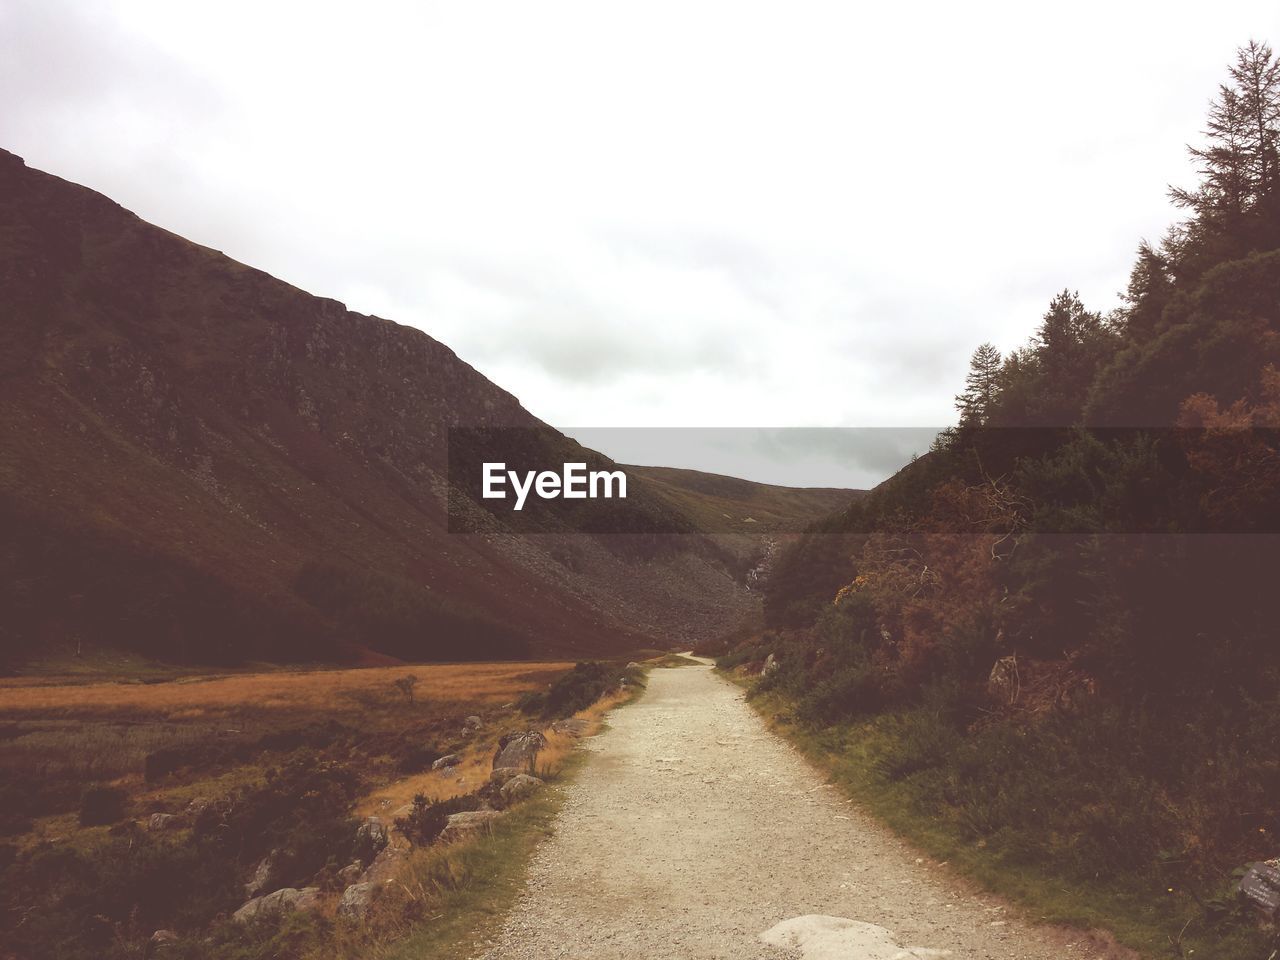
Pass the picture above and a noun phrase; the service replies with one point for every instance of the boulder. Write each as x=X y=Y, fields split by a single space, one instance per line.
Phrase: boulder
x=263 y=875
x=356 y=900
x=386 y=865
x=471 y=724
x=448 y=760
x=197 y=806
x=519 y=751
x=500 y=776
x=771 y=666
x=350 y=874
x=468 y=824
x=371 y=837
x=282 y=901
x=163 y=937
x=1003 y=683
x=161 y=821
x=573 y=727
x=519 y=787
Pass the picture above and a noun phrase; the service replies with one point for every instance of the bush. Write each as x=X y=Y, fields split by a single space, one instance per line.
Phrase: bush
x=578 y=689
x=102 y=805
x=302 y=811
x=852 y=691
x=747 y=652
x=428 y=818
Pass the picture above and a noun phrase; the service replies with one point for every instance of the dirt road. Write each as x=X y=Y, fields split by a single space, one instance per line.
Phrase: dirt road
x=693 y=832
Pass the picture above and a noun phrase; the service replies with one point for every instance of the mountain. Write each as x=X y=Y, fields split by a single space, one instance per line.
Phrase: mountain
x=204 y=463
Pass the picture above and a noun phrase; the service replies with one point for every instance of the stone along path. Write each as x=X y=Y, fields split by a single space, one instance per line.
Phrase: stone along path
x=693 y=832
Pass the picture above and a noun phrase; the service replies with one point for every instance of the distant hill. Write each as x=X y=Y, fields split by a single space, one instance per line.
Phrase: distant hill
x=204 y=463
x=718 y=502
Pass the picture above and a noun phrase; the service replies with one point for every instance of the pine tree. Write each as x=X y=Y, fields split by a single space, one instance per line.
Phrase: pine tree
x=1066 y=328
x=1240 y=165
x=1149 y=292
x=979 y=386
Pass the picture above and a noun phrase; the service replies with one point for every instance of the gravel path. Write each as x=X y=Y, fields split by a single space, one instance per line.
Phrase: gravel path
x=693 y=832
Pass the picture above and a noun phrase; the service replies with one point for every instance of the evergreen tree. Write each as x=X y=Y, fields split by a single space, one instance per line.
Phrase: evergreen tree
x=1150 y=290
x=1240 y=164
x=979 y=386
x=1066 y=330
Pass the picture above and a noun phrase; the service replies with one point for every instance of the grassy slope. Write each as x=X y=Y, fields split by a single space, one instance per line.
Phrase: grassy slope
x=1157 y=923
x=728 y=504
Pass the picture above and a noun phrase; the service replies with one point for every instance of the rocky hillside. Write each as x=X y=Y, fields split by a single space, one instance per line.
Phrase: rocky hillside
x=202 y=462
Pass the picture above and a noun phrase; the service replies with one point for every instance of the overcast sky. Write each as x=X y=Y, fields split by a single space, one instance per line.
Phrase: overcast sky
x=648 y=214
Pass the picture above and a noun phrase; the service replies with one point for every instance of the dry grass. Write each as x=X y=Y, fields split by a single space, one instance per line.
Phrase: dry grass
x=307 y=691
x=459 y=892
x=472 y=773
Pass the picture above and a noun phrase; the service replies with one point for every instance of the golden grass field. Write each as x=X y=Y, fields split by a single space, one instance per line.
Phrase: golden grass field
x=306 y=690
x=75 y=733
x=474 y=769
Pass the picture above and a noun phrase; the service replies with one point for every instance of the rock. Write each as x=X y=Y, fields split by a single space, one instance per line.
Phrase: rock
x=518 y=787
x=161 y=821
x=163 y=937
x=1003 y=683
x=285 y=900
x=197 y=806
x=263 y=876
x=471 y=724
x=350 y=874
x=519 y=750
x=463 y=825
x=817 y=937
x=1261 y=886
x=371 y=837
x=633 y=666
x=500 y=776
x=356 y=900
x=573 y=727
x=386 y=865
x=771 y=666
x=448 y=760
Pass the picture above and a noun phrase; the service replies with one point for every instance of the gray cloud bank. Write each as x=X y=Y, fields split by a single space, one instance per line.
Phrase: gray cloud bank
x=768 y=215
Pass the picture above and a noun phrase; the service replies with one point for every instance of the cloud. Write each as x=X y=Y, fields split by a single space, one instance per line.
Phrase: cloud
x=800 y=215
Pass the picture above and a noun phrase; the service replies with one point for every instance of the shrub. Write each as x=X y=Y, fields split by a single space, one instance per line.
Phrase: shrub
x=747 y=652
x=302 y=811
x=428 y=818
x=849 y=692
x=576 y=690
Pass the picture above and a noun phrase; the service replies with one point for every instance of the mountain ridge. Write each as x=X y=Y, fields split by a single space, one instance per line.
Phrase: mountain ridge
x=201 y=436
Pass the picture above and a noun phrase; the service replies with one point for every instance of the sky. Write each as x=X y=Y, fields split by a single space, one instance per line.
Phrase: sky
x=711 y=214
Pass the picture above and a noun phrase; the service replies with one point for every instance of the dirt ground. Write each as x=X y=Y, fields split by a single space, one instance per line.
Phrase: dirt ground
x=693 y=832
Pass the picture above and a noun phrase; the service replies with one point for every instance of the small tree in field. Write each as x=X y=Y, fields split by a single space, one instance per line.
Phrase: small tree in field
x=405 y=685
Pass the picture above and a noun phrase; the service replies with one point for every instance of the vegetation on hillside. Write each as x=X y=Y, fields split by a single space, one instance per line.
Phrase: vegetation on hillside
x=127 y=808
x=1061 y=621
